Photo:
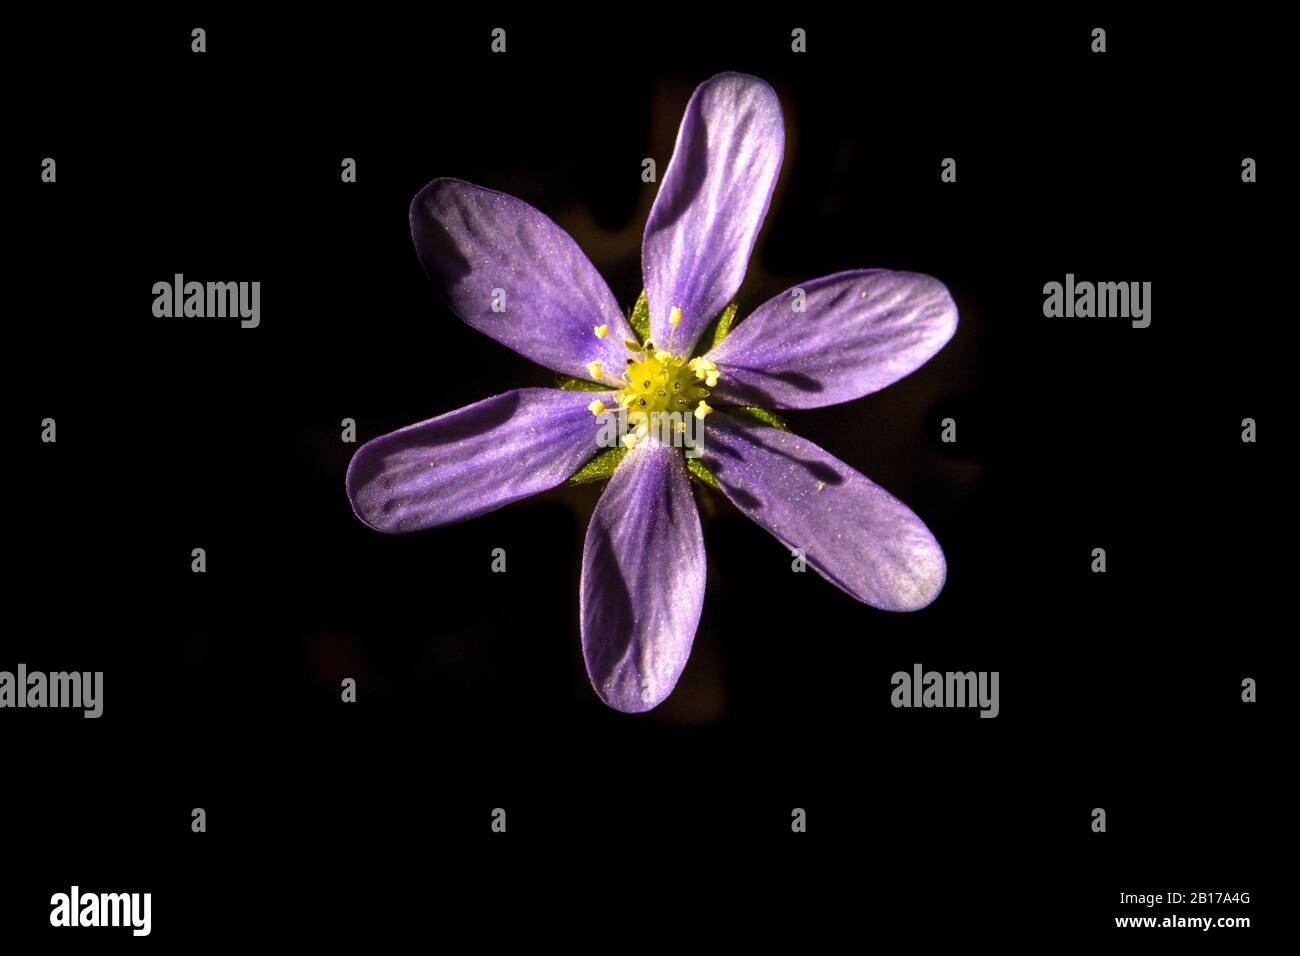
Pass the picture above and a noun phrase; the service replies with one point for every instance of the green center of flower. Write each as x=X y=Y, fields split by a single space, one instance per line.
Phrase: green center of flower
x=656 y=384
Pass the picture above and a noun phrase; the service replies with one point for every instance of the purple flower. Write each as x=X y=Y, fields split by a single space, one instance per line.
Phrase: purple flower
x=830 y=340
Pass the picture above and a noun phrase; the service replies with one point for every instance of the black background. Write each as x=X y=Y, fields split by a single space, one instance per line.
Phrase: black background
x=1119 y=690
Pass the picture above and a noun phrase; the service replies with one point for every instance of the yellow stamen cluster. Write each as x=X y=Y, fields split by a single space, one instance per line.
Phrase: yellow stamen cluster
x=656 y=381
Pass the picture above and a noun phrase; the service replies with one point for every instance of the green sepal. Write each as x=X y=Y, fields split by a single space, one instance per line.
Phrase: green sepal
x=640 y=317
x=758 y=415
x=717 y=330
x=700 y=472
x=599 y=467
x=570 y=384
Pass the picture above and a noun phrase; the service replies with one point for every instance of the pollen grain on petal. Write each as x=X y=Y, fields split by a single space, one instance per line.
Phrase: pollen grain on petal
x=594 y=370
x=601 y=331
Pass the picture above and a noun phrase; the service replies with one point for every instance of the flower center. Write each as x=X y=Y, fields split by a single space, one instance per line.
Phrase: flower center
x=658 y=381
x=657 y=389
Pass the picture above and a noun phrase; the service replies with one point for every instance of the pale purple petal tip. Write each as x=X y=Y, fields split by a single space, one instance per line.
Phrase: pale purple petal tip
x=711 y=203
x=834 y=339
x=854 y=533
x=473 y=460
x=513 y=274
x=642 y=580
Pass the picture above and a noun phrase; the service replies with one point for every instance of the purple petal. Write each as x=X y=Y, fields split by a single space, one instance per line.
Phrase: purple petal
x=642 y=580
x=473 y=241
x=859 y=332
x=711 y=203
x=473 y=460
x=853 y=533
